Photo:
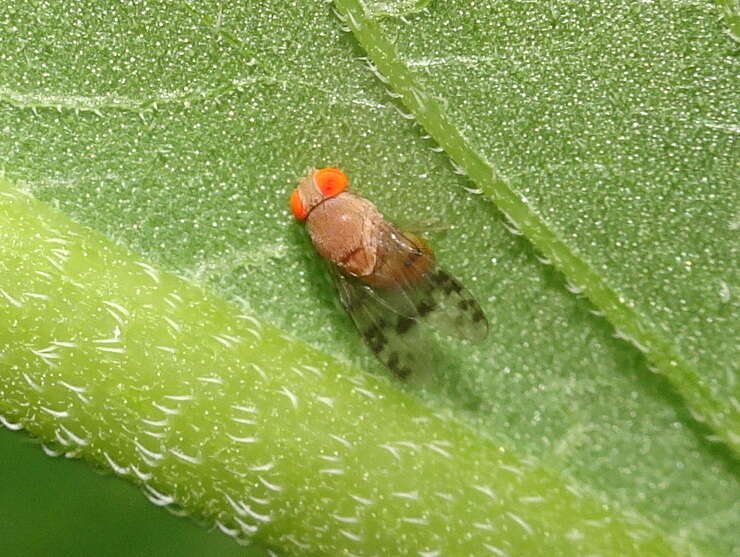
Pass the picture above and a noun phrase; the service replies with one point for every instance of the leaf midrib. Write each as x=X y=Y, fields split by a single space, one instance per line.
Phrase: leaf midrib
x=630 y=323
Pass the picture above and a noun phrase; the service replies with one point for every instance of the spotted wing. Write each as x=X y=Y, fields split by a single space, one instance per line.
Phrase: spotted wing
x=391 y=335
x=435 y=296
x=454 y=310
x=389 y=319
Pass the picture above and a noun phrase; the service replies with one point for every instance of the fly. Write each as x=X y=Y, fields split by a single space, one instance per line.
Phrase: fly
x=387 y=279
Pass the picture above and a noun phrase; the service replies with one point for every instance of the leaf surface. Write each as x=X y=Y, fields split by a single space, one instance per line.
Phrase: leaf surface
x=179 y=132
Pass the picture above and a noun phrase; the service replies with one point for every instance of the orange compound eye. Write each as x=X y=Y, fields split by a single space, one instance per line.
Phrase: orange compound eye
x=330 y=181
x=296 y=205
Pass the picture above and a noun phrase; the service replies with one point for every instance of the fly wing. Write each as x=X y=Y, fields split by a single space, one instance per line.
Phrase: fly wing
x=391 y=335
x=434 y=296
x=389 y=318
x=455 y=311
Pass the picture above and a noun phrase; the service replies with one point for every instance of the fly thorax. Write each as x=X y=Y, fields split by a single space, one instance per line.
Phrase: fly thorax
x=339 y=230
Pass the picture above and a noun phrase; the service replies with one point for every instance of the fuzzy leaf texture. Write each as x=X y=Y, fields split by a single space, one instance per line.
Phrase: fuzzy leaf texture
x=179 y=129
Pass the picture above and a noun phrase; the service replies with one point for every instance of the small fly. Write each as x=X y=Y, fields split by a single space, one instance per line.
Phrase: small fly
x=387 y=279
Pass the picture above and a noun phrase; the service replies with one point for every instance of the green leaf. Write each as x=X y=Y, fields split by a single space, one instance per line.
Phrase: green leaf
x=619 y=210
x=731 y=17
x=179 y=131
x=64 y=507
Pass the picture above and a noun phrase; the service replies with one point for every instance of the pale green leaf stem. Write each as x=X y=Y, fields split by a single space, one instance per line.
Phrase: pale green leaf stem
x=219 y=414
